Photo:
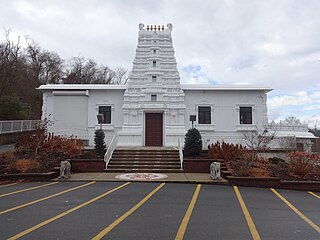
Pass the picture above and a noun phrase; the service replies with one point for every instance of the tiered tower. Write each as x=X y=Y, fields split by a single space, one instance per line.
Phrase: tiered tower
x=153 y=108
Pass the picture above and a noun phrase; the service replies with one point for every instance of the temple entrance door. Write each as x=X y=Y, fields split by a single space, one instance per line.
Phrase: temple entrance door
x=154 y=129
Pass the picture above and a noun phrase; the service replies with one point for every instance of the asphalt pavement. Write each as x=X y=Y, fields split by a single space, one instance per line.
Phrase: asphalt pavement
x=145 y=210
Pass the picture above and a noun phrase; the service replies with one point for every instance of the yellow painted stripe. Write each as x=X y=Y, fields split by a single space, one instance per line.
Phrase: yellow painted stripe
x=27 y=231
x=313 y=194
x=300 y=214
x=124 y=216
x=254 y=233
x=185 y=220
x=27 y=189
x=46 y=198
x=7 y=185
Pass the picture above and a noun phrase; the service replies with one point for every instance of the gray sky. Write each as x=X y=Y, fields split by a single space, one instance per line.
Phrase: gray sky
x=267 y=42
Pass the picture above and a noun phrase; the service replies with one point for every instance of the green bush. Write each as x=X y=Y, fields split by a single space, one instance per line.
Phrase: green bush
x=99 y=143
x=276 y=160
x=193 y=143
x=12 y=108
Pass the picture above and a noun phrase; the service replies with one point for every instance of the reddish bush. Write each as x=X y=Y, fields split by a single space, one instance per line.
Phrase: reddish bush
x=36 y=143
x=239 y=160
x=25 y=165
x=304 y=165
x=226 y=151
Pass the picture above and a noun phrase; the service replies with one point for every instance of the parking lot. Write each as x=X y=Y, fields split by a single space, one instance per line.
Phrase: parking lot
x=131 y=210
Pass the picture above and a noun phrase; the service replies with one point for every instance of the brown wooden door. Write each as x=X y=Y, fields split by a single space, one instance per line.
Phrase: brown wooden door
x=154 y=129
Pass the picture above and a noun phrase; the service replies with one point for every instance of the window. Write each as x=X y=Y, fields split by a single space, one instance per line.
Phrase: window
x=245 y=115
x=153 y=97
x=154 y=63
x=106 y=112
x=204 y=115
x=154 y=78
x=154 y=51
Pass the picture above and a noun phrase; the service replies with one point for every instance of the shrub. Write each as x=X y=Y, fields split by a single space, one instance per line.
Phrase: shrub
x=241 y=166
x=99 y=143
x=49 y=144
x=304 y=165
x=193 y=143
x=280 y=170
x=6 y=158
x=12 y=108
x=276 y=160
x=25 y=165
x=226 y=151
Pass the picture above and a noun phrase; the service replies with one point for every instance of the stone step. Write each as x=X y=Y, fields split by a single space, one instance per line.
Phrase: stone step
x=144 y=162
x=144 y=166
x=149 y=150
x=150 y=160
x=145 y=170
x=143 y=156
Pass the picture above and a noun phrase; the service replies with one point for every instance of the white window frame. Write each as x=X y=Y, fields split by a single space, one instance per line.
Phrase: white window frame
x=112 y=113
x=246 y=127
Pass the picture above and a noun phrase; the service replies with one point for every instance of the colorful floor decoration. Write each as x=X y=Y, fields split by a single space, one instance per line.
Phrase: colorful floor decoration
x=141 y=176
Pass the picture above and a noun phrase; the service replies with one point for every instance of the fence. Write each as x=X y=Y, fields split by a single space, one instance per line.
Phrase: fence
x=18 y=126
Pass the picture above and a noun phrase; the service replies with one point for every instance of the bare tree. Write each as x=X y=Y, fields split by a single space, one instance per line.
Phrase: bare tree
x=258 y=140
x=87 y=71
x=120 y=76
x=47 y=67
x=11 y=61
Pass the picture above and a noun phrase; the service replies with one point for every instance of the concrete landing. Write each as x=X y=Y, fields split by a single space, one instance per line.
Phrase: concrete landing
x=172 y=177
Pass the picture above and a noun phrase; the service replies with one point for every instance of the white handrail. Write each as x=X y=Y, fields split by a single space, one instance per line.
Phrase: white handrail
x=113 y=144
x=180 y=152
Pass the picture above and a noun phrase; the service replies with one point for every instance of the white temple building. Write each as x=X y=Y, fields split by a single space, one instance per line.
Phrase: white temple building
x=153 y=108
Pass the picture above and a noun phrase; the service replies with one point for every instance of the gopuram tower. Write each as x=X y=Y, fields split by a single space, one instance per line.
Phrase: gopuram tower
x=153 y=107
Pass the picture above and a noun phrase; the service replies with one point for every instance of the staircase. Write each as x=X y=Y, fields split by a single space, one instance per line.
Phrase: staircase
x=146 y=159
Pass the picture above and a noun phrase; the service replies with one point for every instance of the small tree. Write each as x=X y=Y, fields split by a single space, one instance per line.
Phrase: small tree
x=193 y=143
x=11 y=108
x=258 y=140
x=99 y=143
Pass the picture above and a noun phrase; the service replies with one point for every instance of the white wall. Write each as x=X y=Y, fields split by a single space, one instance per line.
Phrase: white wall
x=113 y=98
x=224 y=104
x=75 y=112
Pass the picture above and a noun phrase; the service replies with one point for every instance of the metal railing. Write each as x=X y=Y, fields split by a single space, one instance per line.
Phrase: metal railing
x=113 y=144
x=180 y=152
x=18 y=126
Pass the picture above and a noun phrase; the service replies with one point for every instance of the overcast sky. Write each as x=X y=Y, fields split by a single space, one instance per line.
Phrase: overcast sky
x=262 y=42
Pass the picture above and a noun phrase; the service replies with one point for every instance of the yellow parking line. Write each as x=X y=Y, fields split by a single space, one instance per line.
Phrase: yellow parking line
x=186 y=218
x=128 y=213
x=25 y=232
x=254 y=233
x=313 y=194
x=27 y=189
x=7 y=185
x=45 y=198
x=316 y=227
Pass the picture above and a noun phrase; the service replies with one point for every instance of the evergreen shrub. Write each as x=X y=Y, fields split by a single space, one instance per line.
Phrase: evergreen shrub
x=99 y=142
x=193 y=143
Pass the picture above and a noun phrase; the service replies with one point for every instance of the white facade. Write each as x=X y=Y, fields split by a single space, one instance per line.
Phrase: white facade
x=154 y=108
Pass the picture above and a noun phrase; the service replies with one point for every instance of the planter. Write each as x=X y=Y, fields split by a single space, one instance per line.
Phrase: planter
x=198 y=165
x=30 y=176
x=301 y=185
x=87 y=165
x=266 y=182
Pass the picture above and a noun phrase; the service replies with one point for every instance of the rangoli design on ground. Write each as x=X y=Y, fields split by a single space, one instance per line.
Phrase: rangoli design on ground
x=141 y=176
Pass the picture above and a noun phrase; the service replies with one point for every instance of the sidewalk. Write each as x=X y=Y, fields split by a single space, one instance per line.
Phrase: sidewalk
x=172 y=177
